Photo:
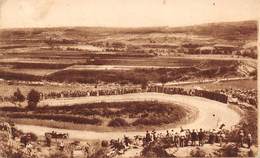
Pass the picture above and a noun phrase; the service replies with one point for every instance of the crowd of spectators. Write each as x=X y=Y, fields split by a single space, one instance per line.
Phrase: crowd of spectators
x=188 y=137
x=244 y=96
x=184 y=138
x=82 y=93
x=119 y=91
x=221 y=95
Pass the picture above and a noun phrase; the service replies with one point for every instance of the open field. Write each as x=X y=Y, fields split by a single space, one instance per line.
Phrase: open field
x=232 y=32
x=241 y=84
x=138 y=76
x=158 y=46
x=36 y=72
x=183 y=70
x=126 y=61
x=97 y=51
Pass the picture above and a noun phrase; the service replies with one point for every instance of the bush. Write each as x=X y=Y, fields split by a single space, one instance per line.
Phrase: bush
x=148 y=121
x=104 y=143
x=59 y=117
x=58 y=154
x=144 y=83
x=33 y=136
x=197 y=153
x=100 y=153
x=18 y=96
x=33 y=98
x=230 y=150
x=118 y=122
x=155 y=150
x=7 y=150
x=166 y=118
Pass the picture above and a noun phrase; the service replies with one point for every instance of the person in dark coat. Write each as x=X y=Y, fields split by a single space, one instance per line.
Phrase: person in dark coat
x=148 y=137
x=201 y=136
x=194 y=137
x=126 y=141
x=154 y=135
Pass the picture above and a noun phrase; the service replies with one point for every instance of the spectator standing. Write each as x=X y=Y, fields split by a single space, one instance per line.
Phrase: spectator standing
x=154 y=135
x=211 y=139
x=249 y=140
x=221 y=138
x=188 y=137
x=201 y=136
x=193 y=137
x=241 y=138
x=148 y=137
x=182 y=138
x=176 y=139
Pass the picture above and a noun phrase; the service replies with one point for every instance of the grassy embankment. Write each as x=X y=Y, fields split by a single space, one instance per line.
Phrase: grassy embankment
x=98 y=116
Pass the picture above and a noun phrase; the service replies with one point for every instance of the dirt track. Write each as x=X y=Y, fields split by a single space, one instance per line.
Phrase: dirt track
x=211 y=113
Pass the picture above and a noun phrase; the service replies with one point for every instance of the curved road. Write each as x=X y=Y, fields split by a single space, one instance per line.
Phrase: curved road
x=210 y=113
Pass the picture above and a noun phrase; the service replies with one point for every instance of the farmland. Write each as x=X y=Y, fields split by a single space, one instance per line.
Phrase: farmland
x=51 y=54
x=105 y=83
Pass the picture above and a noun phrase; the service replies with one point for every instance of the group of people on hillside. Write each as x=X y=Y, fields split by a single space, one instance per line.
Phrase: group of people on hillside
x=199 y=137
x=246 y=96
x=125 y=90
x=189 y=91
x=82 y=93
x=222 y=95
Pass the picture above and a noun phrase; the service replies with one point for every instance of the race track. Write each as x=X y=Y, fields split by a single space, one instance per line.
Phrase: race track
x=211 y=113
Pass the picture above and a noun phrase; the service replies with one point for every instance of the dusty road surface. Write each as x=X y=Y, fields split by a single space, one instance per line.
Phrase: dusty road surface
x=211 y=114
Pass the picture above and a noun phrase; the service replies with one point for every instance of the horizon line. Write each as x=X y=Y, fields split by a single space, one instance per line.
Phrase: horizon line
x=130 y=27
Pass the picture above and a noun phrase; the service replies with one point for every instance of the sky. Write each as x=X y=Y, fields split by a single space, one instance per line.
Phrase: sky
x=123 y=13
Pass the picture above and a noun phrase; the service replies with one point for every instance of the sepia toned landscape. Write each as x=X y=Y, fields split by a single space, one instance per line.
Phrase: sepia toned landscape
x=186 y=91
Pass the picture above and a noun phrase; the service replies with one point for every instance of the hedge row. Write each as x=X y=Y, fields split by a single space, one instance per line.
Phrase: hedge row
x=55 y=117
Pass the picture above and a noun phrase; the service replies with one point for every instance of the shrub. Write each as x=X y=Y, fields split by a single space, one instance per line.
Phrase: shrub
x=33 y=99
x=159 y=120
x=252 y=152
x=118 y=122
x=144 y=83
x=33 y=136
x=197 y=152
x=230 y=150
x=100 y=153
x=18 y=96
x=155 y=150
x=58 y=154
x=163 y=79
x=55 y=117
x=7 y=150
x=104 y=143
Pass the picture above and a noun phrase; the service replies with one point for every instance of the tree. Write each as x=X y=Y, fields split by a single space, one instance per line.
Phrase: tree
x=118 y=122
x=163 y=79
x=144 y=83
x=33 y=98
x=18 y=96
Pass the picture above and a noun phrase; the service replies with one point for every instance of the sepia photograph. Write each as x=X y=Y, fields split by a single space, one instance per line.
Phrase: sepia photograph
x=128 y=78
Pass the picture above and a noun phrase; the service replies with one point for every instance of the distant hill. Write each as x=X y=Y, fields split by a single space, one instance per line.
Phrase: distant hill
x=244 y=30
